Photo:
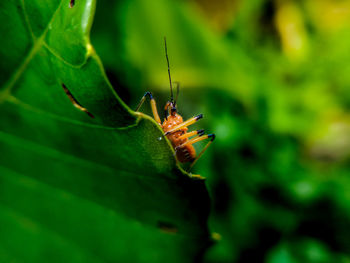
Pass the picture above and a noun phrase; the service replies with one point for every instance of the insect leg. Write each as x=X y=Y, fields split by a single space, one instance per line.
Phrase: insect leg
x=185 y=124
x=192 y=133
x=212 y=136
x=166 y=110
x=153 y=105
x=198 y=139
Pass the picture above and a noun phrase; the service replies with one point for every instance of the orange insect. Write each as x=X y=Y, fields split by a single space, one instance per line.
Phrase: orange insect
x=175 y=128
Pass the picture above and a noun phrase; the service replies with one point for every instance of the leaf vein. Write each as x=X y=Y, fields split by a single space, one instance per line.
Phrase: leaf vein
x=26 y=18
x=55 y=54
x=61 y=156
x=25 y=106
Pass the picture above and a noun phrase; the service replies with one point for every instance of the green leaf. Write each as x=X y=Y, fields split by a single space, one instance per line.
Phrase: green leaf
x=82 y=177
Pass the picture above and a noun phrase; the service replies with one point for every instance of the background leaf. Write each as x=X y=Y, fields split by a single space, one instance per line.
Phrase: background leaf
x=273 y=84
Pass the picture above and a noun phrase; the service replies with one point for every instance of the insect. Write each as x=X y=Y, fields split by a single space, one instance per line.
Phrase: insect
x=175 y=128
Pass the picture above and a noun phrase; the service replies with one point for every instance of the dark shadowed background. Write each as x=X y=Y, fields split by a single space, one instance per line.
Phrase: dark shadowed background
x=272 y=80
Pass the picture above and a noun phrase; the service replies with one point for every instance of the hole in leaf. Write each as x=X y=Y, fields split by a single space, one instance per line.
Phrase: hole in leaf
x=71 y=3
x=75 y=102
x=167 y=227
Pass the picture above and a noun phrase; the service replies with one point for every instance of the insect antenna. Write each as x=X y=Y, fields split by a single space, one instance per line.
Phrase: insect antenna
x=167 y=59
x=177 y=91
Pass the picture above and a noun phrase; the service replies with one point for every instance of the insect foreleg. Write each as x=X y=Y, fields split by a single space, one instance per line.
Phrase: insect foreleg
x=153 y=105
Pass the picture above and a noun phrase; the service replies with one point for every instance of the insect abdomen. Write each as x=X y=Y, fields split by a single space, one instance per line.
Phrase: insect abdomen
x=186 y=154
x=183 y=154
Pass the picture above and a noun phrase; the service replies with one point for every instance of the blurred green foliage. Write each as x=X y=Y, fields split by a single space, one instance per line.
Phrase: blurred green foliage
x=272 y=79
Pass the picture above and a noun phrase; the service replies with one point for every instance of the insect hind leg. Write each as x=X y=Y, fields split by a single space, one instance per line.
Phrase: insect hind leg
x=212 y=138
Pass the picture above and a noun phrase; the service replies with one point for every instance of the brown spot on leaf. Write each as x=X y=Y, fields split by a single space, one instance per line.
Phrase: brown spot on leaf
x=75 y=102
x=167 y=227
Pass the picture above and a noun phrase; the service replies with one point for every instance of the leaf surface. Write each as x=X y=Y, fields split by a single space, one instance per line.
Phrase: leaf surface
x=82 y=177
